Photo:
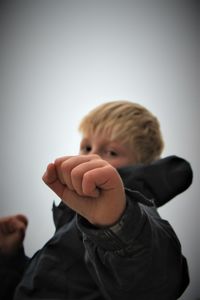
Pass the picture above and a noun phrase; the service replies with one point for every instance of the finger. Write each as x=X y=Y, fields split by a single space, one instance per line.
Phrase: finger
x=69 y=164
x=6 y=225
x=50 y=174
x=78 y=173
x=4 y=228
x=18 y=227
x=51 y=179
x=13 y=224
x=58 y=162
x=23 y=219
x=101 y=179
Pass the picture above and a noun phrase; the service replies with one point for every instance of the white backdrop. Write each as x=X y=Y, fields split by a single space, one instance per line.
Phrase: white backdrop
x=59 y=59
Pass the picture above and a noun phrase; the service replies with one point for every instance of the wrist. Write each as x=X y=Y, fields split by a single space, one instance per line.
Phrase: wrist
x=111 y=214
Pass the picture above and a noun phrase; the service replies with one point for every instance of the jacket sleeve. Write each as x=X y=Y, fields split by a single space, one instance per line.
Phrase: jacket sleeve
x=11 y=271
x=139 y=257
x=162 y=180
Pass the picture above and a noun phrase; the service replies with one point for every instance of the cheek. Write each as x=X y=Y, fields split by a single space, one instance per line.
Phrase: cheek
x=119 y=162
x=123 y=162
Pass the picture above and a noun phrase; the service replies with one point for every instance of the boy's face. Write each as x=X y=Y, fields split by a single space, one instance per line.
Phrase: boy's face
x=112 y=151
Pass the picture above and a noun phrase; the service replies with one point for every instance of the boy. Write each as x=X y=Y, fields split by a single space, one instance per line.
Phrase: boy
x=110 y=242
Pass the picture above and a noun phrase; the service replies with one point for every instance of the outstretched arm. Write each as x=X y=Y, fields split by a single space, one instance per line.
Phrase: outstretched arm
x=140 y=256
x=88 y=185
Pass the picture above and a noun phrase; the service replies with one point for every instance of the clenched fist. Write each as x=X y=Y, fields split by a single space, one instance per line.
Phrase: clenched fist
x=90 y=186
x=12 y=233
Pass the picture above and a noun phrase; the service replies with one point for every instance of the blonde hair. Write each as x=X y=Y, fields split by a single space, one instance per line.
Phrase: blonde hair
x=129 y=123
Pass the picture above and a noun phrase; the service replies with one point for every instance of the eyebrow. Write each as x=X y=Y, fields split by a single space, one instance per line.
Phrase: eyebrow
x=103 y=143
x=84 y=140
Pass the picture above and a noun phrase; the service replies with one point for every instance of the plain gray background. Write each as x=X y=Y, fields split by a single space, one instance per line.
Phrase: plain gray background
x=59 y=59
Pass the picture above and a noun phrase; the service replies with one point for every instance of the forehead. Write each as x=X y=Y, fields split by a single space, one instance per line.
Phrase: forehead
x=101 y=140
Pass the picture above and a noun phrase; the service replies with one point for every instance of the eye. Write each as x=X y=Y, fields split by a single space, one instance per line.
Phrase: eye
x=112 y=153
x=85 y=149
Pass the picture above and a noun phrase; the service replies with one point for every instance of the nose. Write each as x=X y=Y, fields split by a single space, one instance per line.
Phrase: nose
x=96 y=151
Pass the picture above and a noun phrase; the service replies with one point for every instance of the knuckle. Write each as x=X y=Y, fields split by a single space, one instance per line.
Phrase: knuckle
x=76 y=173
x=65 y=167
x=57 y=161
x=94 y=156
x=88 y=176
